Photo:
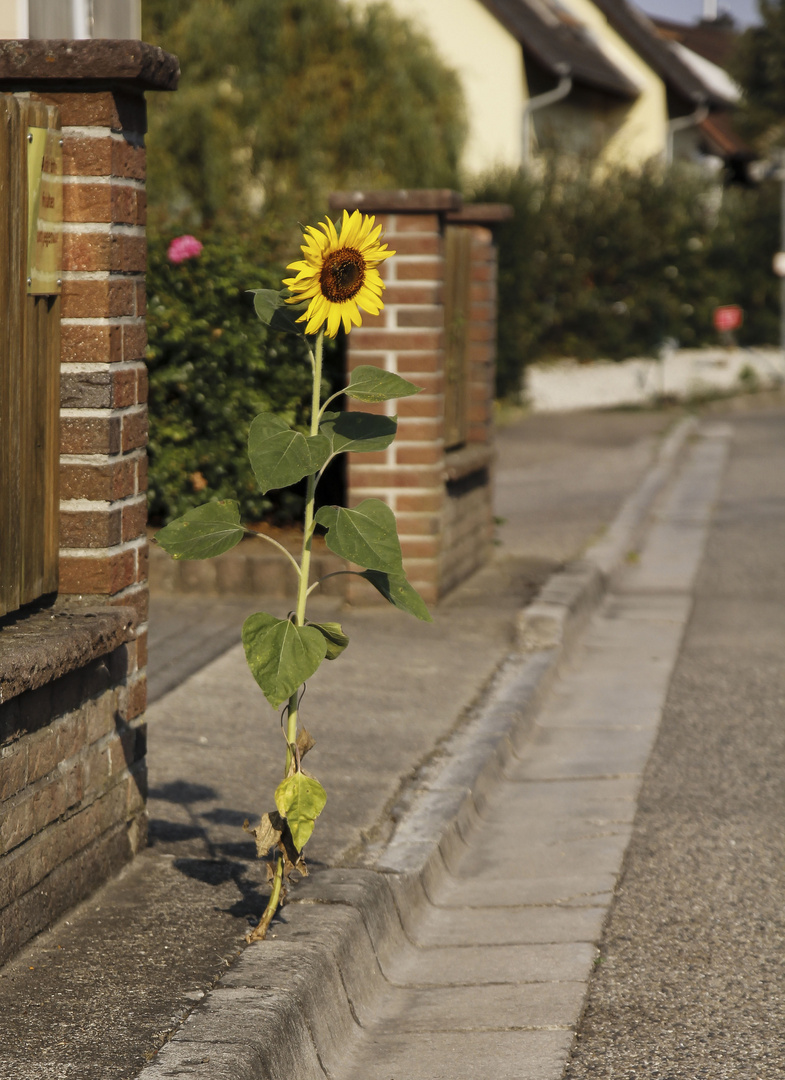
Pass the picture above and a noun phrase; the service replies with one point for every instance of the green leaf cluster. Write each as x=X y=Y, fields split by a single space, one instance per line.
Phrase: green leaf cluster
x=608 y=267
x=283 y=653
x=213 y=367
x=281 y=101
x=758 y=64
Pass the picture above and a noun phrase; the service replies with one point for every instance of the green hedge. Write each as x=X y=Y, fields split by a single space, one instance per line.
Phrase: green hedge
x=214 y=366
x=611 y=268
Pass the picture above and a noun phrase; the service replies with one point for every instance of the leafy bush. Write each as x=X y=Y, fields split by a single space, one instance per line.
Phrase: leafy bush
x=610 y=268
x=213 y=366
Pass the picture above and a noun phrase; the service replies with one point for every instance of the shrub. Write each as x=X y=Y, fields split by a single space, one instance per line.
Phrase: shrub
x=289 y=100
x=612 y=267
x=213 y=367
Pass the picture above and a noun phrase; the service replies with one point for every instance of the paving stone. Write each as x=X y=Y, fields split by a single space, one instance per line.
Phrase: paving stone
x=547 y=889
x=502 y=1055
x=557 y=805
x=510 y=926
x=558 y=752
x=476 y=1008
x=206 y=1061
x=310 y=974
x=531 y=858
x=470 y=964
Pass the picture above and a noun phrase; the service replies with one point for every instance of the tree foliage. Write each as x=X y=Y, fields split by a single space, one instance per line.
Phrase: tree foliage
x=759 y=67
x=213 y=367
x=610 y=268
x=282 y=101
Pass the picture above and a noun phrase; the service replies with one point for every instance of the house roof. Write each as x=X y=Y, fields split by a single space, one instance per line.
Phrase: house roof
x=714 y=41
x=641 y=33
x=723 y=140
x=714 y=77
x=561 y=45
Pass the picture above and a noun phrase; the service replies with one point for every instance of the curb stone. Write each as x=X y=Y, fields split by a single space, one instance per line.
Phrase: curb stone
x=291 y=1006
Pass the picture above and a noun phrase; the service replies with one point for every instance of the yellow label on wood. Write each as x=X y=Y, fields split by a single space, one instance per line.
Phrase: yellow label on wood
x=45 y=211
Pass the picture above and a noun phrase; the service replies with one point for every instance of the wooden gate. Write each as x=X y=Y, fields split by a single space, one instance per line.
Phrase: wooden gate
x=457 y=283
x=29 y=357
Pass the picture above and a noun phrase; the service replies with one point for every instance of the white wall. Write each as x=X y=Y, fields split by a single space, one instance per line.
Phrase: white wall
x=563 y=386
x=489 y=62
x=71 y=18
x=643 y=133
x=13 y=19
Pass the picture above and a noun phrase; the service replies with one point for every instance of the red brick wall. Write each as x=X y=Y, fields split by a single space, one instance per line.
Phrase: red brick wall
x=72 y=677
x=72 y=781
x=103 y=434
x=407 y=337
x=423 y=484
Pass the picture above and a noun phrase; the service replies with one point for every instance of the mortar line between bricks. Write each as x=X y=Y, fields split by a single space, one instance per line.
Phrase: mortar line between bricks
x=106 y=181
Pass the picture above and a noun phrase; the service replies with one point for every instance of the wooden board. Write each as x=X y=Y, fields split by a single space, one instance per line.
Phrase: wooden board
x=29 y=382
x=457 y=281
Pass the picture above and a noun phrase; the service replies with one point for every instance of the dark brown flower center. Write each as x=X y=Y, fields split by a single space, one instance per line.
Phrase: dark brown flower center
x=342 y=275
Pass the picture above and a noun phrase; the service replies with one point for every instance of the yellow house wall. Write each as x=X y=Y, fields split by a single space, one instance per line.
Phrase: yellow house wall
x=642 y=133
x=10 y=22
x=489 y=62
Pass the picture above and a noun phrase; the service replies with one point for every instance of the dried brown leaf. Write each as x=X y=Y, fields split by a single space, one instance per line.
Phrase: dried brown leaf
x=305 y=742
x=267 y=833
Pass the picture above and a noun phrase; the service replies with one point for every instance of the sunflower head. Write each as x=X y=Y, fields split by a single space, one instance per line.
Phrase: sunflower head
x=338 y=274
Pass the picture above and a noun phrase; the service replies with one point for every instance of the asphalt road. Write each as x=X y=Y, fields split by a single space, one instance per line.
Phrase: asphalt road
x=691 y=978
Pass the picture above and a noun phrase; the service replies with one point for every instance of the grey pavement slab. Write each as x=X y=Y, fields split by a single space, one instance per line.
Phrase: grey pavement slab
x=507 y=1055
x=469 y=1008
x=519 y=925
x=477 y=965
x=558 y=752
x=564 y=890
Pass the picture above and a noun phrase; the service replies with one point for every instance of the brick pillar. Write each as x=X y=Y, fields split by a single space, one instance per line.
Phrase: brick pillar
x=98 y=87
x=72 y=678
x=418 y=476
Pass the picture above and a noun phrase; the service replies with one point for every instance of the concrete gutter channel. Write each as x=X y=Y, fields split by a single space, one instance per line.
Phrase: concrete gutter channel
x=293 y=1005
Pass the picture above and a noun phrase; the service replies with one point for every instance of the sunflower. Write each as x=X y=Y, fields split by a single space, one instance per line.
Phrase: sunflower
x=338 y=274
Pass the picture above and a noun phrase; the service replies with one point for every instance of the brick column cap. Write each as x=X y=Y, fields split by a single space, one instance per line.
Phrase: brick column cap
x=411 y=201
x=40 y=647
x=92 y=64
x=481 y=214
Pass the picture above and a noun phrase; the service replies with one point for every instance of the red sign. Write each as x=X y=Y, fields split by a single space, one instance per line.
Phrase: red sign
x=728 y=318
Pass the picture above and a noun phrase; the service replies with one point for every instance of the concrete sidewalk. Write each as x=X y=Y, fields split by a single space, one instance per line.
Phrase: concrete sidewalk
x=99 y=993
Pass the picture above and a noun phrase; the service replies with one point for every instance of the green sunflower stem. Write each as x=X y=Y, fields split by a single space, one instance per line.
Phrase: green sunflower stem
x=310 y=493
x=259 y=933
x=305 y=561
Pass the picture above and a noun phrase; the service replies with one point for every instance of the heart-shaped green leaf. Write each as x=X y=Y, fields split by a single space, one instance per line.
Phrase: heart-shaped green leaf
x=203 y=532
x=358 y=431
x=272 y=309
x=396 y=589
x=281 y=456
x=375 y=384
x=334 y=636
x=281 y=656
x=366 y=535
x=300 y=799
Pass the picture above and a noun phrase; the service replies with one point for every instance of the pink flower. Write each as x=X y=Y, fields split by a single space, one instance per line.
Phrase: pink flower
x=184 y=247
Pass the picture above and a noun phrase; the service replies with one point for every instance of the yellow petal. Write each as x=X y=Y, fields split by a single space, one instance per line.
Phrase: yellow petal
x=333 y=320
